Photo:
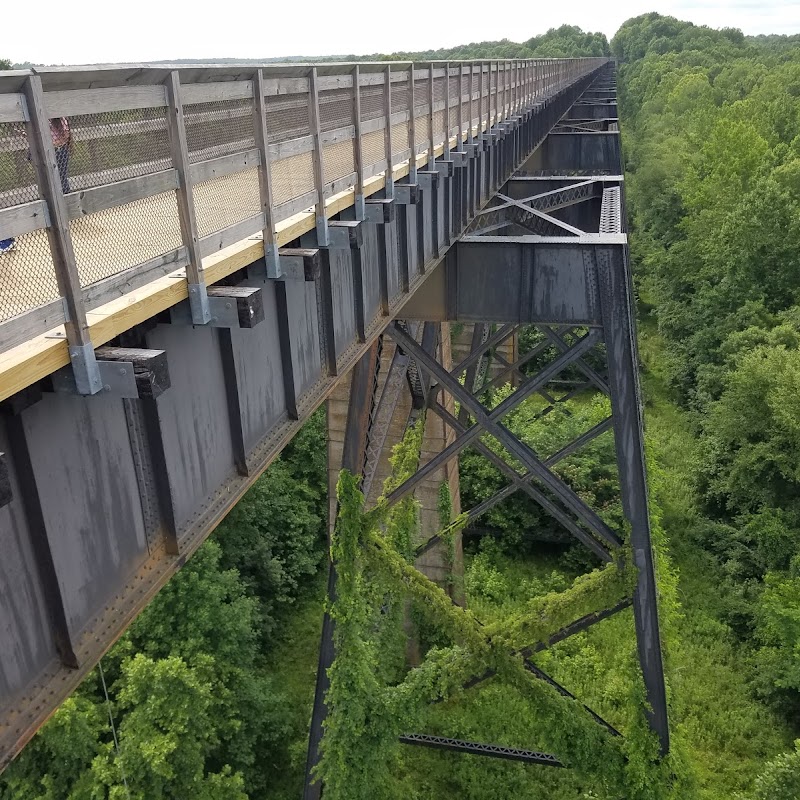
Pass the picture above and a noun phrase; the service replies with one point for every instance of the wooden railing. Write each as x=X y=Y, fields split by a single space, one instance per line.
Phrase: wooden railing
x=168 y=165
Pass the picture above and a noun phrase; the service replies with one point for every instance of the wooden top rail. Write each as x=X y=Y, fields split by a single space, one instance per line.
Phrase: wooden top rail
x=230 y=181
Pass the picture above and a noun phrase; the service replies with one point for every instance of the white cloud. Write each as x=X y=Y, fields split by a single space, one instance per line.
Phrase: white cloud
x=96 y=31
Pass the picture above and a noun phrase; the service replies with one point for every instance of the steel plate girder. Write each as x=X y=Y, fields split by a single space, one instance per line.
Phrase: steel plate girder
x=524 y=280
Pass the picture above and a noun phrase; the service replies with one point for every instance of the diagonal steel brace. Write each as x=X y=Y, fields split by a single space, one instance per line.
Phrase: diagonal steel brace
x=518 y=449
x=511 y=402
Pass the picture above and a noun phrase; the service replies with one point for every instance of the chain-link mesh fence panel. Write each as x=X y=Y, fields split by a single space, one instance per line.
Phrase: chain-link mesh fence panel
x=337 y=161
x=454 y=101
x=335 y=109
x=220 y=202
x=214 y=130
x=17 y=175
x=219 y=129
x=422 y=100
x=111 y=241
x=438 y=127
x=27 y=274
x=401 y=96
x=421 y=132
x=421 y=93
x=373 y=148
x=400 y=139
x=292 y=177
x=466 y=122
x=112 y=146
x=439 y=87
x=288 y=116
x=372 y=102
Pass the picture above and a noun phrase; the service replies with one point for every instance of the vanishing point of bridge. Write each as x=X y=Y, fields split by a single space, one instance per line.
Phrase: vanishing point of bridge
x=229 y=247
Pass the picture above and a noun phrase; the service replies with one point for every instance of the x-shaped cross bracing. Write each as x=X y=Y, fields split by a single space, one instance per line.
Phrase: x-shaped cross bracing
x=488 y=422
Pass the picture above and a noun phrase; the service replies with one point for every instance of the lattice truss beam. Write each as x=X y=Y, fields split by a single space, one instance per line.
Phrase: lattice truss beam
x=415 y=367
x=535 y=212
x=537 y=480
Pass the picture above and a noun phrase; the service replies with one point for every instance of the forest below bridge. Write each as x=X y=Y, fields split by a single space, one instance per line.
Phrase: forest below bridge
x=208 y=694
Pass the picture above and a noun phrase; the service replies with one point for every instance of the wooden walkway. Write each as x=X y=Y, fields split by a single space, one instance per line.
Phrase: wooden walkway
x=111 y=241
x=42 y=355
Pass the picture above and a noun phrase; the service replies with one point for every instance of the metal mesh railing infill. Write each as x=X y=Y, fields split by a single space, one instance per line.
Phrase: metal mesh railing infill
x=128 y=159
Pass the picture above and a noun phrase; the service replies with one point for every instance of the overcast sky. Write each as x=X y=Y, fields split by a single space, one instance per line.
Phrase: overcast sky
x=103 y=31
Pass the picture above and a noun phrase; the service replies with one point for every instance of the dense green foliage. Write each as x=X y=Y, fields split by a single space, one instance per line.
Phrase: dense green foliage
x=712 y=134
x=196 y=710
x=209 y=691
x=568 y=41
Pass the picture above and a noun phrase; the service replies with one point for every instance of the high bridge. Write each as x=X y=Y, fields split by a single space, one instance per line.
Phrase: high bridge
x=220 y=250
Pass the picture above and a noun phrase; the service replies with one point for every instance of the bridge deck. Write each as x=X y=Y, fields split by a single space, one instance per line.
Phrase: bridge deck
x=237 y=160
x=102 y=498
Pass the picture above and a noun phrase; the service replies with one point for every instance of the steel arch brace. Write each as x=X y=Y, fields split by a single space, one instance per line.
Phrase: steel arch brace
x=527 y=389
x=562 y=197
x=498 y=337
x=558 y=340
x=579 y=625
x=523 y=483
x=568 y=449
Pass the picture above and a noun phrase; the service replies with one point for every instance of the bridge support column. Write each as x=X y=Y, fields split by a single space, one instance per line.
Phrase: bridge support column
x=616 y=291
x=347 y=447
x=367 y=415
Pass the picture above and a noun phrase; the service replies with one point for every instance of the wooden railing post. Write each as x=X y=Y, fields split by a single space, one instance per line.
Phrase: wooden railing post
x=471 y=104
x=323 y=239
x=264 y=178
x=358 y=156
x=431 y=143
x=43 y=156
x=461 y=136
x=490 y=107
x=387 y=110
x=528 y=75
x=504 y=111
x=198 y=295
x=412 y=125
x=498 y=102
x=522 y=88
x=446 y=149
x=481 y=98
x=496 y=114
x=514 y=86
x=529 y=85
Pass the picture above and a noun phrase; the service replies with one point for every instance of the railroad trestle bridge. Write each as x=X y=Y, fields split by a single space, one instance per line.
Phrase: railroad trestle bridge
x=229 y=247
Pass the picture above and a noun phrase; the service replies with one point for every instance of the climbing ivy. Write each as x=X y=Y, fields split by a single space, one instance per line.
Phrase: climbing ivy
x=401 y=521
x=368 y=712
x=548 y=613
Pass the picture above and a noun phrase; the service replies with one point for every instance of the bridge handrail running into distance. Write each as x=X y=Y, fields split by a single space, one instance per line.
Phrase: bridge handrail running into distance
x=194 y=258
x=170 y=166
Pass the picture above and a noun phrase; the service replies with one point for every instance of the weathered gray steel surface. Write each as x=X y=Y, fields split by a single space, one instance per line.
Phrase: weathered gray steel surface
x=500 y=273
x=109 y=496
x=596 y=152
